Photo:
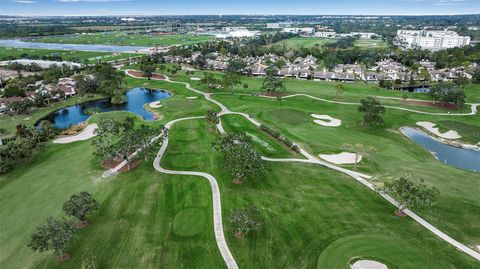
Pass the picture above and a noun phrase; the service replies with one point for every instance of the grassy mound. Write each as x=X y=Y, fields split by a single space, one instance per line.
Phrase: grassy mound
x=189 y=222
x=385 y=249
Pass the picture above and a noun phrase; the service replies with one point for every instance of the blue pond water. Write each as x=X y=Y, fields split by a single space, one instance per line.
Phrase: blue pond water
x=136 y=99
x=15 y=43
x=468 y=159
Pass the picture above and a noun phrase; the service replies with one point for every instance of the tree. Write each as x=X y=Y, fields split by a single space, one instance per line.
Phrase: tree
x=236 y=66
x=372 y=110
x=56 y=234
x=22 y=106
x=360 y=151
x=476 y=76
x=244 y=221
x=241 y=160
x=448 y=92
x=119 y=140
x=272 y=83
x=86 y=84
x=408 y=193
x=46 y=129
x=339 y=90
x=209 y=81
x=147 y=70
x=80 y=205
x=230 y=80
x=212 y=117
x=425 y=75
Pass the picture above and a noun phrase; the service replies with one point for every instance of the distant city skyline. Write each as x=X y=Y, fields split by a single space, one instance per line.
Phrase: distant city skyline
x=236 y=7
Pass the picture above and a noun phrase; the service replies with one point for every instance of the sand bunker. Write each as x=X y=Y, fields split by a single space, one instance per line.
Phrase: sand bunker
x=326 y=120
x=192 y=97
x=155 y=104
x=341 y=158
x=430 y=126
x=195 y=79
x=368 y=264
x=86 y=134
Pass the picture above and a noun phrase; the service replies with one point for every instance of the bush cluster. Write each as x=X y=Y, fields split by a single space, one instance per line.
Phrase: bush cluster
x=279 y=137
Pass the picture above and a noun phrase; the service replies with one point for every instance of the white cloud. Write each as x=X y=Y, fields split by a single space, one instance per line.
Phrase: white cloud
x=23 y=1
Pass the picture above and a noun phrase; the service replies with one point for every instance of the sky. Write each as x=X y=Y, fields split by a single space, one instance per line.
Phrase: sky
x=226 y=7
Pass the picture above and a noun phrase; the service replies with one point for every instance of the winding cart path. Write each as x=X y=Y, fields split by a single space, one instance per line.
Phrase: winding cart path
x=361 y=178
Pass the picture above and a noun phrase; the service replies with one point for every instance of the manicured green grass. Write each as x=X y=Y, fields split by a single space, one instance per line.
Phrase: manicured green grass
x=134 y=226
x=304 y=209
x=469 y=132
x=66 y=55
x=458 y=209
x=120 y=38
x=370 y=43
x=305 y=42
x=264 y=143
x=189 y=222
x=312 y=216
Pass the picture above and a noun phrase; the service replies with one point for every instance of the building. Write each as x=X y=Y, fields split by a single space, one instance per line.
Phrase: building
x=278 y=25
x=304 y=30
x=237 y=34
x=431 y=40
x=328 y=34
x=42 y=63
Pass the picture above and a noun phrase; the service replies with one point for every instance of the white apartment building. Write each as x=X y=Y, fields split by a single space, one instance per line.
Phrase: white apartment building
x=278 y=25
x=431 y=40
x=304 y=30
x=325 y=34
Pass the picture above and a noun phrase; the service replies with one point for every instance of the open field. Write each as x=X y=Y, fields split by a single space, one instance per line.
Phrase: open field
x=67 y=55
x=313 y=217
x=370 y=43
x=306 y=42
x=119 y=38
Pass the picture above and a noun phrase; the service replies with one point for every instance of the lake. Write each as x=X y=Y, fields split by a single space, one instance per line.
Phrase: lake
x=468 y=159
x=136 y=99
x=16 y=43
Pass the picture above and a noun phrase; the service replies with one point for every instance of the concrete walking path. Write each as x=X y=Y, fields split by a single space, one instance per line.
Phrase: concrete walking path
x=216 y=201
x=361 y=178
x=86 y=134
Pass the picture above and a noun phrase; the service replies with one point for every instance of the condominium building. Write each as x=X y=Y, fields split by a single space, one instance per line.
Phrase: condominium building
x=431 y=40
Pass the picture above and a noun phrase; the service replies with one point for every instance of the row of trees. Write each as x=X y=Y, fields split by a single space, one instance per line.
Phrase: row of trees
x=23 y=147
x=57 y=233
x=119 y=140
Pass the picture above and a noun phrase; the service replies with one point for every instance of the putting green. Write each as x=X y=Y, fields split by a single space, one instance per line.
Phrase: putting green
x=289 y=116
x=189 y=222
x=385 y=249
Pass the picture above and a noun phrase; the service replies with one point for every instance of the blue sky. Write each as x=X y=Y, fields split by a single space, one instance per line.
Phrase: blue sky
x=200 y=7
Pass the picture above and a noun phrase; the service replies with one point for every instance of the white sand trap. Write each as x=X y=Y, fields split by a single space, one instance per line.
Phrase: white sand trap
x=326 y=120
x=195 y=79
x=368 y=264
x=155 y=104
x=430 y=126
x=192 y=97
x=86 y=134
x=341 y=158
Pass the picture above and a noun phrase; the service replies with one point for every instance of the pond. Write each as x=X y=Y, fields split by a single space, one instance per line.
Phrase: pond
x=468 y=159
x=136 y=99
x=15 y=43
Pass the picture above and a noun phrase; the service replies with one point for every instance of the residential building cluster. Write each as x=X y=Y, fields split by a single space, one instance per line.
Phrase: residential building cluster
x=308 y=68
x=56 y=91
x=431 y=39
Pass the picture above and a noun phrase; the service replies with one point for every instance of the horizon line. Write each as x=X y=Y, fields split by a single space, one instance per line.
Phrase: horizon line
x=269 y=15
